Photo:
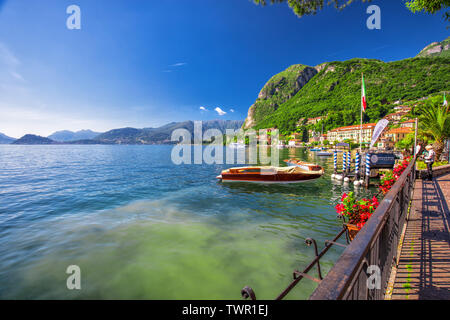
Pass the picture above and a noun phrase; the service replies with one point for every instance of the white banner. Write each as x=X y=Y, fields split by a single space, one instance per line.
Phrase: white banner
x=381 y=125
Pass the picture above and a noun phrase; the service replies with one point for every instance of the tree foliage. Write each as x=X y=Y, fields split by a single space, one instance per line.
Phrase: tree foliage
x=308 y=7
x=434 y=122
x=429 y=6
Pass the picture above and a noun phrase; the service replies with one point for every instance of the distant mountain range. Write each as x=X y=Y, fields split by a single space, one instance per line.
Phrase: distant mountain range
x=66 y=135
x=161 y=135
x=4 y=139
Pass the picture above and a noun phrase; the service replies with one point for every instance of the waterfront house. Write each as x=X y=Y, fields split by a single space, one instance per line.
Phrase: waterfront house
x=351 y=133
x=398 y=134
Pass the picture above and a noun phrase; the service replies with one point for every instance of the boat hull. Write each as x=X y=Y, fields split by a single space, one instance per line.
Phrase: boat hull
x=264 y=179
x=274 y=175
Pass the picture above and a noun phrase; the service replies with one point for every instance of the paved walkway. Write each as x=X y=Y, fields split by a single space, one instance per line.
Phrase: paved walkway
x=424 y=266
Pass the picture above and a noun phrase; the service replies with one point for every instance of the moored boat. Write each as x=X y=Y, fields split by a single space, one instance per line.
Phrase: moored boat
x=303 y=165
x=270 y=174
x=236 y=145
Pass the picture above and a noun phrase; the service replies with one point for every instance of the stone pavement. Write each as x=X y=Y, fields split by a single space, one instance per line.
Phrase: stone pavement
x=424 y=266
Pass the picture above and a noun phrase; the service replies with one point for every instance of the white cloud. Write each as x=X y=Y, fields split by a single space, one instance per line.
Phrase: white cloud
x=203 y=108
x=9 y=62
x=7 y=57
x=231 y=110
x=179 y=64
x=220 y=111
x=17 y=75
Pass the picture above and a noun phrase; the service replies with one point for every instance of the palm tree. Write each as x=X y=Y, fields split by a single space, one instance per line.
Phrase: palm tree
x=434 y=122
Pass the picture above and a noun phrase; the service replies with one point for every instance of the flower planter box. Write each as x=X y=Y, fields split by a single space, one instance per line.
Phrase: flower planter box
x=352 y=230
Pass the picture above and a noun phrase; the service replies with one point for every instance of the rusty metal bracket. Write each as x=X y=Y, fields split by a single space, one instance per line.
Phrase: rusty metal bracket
x=248 y=292
x=335 y=243
x=308 y=242
x=298 y=273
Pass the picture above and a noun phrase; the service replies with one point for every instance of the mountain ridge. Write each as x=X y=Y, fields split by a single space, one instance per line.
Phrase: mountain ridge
x=128 y=135
x=67 y=135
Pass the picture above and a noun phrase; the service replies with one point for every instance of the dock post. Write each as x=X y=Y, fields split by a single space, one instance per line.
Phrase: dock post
x=344 y=164
x=335 y=162
x=349 y=161
x=367 y=177
x=357 y=160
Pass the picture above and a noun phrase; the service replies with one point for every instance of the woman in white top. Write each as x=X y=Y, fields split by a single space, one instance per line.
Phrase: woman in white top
x=429 y=160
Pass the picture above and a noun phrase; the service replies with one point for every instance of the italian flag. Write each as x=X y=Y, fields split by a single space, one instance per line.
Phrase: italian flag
x=445 y=100
x=363 y=96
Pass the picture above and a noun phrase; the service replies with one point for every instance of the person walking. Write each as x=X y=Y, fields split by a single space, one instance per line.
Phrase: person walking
x=429 y=160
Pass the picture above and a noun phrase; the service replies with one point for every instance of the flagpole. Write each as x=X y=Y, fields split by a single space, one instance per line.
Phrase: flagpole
x=415 y=137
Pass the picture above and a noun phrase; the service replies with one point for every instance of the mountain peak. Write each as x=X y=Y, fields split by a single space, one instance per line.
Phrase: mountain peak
x=279 y=89
x=67 y=135
x=33 y=139
x=436 y=49
x=4 y=139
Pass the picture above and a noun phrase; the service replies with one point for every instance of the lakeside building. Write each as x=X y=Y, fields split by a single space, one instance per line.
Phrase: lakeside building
x=313 y=136
x=398 y=134
x=351 y=133
x=314 y=120
x=296 y=136
x=408 y=124
x=395 y=118
x=385 y=143
x=402 y=108
x=295 y=142
x=300 y=122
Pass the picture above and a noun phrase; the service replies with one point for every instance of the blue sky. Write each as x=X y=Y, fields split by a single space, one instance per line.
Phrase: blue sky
x=146 y=63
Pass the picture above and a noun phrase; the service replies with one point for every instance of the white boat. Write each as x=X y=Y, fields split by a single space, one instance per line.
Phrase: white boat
x=236 y=145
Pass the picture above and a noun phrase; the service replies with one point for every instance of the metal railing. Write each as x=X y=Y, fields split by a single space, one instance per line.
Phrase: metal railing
x=374 y=249
x=248 y=292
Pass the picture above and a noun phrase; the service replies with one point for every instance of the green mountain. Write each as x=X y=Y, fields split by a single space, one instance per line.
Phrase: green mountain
x=335 y=90
x=279 y=89
x=30 y=139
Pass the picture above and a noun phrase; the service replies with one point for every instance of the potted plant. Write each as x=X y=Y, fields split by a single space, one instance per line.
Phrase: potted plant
x=355 y=212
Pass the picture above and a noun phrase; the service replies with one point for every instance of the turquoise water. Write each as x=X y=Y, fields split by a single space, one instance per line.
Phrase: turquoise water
x=140 y=227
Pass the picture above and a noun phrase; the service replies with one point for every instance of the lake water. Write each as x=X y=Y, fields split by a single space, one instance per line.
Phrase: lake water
x=140 y=227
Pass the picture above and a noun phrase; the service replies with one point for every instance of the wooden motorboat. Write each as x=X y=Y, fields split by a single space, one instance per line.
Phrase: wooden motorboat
x=303 y=165
x=270 y=174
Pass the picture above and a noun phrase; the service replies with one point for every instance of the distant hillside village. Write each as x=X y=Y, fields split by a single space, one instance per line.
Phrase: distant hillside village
x=399 y=127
